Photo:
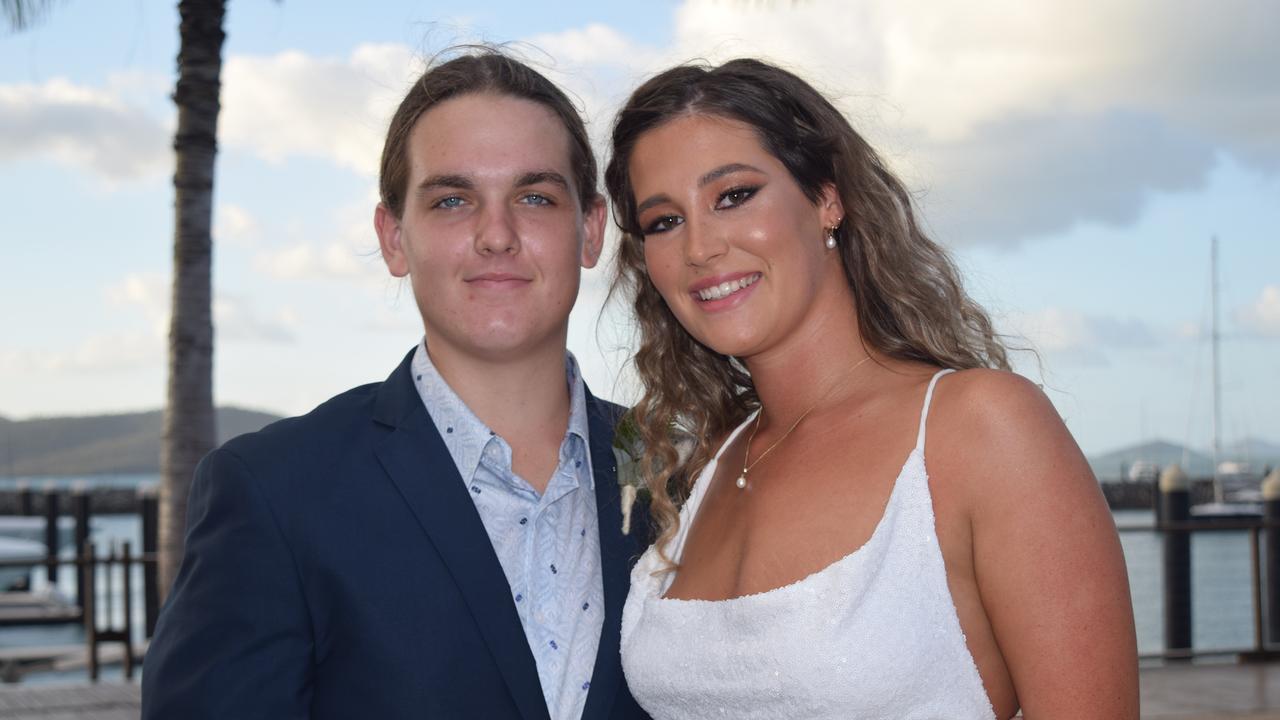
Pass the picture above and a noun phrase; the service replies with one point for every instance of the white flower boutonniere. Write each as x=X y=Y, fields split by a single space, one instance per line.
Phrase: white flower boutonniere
x=627 y=451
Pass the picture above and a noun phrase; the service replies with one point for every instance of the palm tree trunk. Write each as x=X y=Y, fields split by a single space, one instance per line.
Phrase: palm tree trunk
x=189 y=423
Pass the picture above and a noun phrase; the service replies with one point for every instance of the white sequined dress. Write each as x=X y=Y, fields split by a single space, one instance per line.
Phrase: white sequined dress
x=873 y=635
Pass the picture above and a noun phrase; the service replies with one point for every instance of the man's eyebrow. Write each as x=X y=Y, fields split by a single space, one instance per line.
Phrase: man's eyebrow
x=436 y=182
x=708 y=178
x=542 y=176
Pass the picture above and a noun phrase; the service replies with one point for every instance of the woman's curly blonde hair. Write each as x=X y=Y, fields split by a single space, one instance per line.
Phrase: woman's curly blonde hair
x=909 y=298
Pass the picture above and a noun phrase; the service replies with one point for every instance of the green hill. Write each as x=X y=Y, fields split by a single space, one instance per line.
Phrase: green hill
x=1111 y=465
x=121 y=444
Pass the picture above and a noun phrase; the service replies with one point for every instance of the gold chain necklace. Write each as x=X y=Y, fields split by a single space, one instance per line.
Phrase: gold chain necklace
x=741 y=482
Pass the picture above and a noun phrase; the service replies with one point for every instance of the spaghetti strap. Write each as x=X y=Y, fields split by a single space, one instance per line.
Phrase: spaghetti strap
x=924 y=411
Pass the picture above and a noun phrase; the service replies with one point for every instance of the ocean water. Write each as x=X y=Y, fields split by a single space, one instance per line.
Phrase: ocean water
x=39 y=484
x=1222 y=614
x=105 y=531
x=1221 y=585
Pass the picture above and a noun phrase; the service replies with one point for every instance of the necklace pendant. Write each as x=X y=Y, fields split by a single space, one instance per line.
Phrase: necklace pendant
x=741 y=482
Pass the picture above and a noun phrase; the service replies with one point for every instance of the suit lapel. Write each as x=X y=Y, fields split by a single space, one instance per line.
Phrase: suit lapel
x=616 y=554
x=419 y=464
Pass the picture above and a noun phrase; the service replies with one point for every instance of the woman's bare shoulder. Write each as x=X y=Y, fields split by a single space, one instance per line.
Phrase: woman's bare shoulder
x=997 y=430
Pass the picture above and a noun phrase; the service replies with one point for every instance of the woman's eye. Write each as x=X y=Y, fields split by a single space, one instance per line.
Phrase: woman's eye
x=662 y=224
x=735 y=197
x=448 y=203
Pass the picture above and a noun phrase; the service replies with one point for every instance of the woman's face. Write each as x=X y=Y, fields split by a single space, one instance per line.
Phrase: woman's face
x=730 y=240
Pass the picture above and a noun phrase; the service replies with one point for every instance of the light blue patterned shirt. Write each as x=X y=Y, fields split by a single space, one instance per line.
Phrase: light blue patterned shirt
x=548 y=544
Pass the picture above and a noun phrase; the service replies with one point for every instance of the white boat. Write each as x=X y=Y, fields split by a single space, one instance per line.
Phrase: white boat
x=11 y=548
x=30 y=527
x=1229 y=478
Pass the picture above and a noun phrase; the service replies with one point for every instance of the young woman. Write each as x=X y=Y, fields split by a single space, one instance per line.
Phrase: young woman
x=815 y=557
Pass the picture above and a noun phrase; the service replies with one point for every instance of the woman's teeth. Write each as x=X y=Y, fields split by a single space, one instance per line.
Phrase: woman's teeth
x=727 y=288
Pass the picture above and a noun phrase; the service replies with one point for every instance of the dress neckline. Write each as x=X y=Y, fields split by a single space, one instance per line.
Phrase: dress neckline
x=691 y=506
x=665 y=581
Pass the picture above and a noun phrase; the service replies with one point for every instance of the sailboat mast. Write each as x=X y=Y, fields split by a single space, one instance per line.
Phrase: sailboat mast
x=1217 y=375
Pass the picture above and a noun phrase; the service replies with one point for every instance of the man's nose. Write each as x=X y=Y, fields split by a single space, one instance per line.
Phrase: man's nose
x=496 y=232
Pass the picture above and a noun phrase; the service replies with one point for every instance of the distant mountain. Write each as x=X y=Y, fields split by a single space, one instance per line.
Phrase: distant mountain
x=1256 y=451
x=1115 y=464
x=100 y=444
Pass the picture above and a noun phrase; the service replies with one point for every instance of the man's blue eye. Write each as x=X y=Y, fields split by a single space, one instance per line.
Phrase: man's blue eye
x=452 y=201
x=536 y=199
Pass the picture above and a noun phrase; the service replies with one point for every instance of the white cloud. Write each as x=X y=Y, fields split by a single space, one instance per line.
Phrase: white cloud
x=1016 y=120
x=953 y=67
x=596 y=45
x=234 y=225
x=294 y=104
x=307 y=261
x=148 y=291
x=1025 y=119
x=597 y=66
x=83 y=127
x=348 y=253
x=1079 y=337
x=1028 y=176
x=110 y=352
x=235 y=319
x=1263 y=316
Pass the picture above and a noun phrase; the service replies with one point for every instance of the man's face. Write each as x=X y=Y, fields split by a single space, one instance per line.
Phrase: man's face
x=493 y=236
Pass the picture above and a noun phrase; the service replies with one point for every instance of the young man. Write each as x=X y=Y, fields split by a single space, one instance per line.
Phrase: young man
x=447 y=543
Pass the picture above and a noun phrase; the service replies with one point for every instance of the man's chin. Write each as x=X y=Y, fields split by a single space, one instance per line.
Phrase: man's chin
x=500 y=343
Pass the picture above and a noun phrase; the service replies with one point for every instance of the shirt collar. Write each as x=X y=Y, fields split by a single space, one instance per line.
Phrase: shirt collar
x=465 y=435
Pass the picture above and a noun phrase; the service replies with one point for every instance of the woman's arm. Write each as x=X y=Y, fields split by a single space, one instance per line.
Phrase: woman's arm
x=1047 y=559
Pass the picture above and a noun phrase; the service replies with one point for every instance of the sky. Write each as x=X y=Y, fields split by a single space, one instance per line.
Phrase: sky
x=1076 y=159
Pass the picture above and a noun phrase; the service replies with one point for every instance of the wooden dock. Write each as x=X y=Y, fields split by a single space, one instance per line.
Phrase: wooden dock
x=1212 y=692
x=17 y=661
x=103 y=701
x=24 y=608
x=1188 y=692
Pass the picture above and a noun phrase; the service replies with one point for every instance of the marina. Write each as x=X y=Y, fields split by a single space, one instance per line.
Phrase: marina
x=45 y=667
x=1180 y=692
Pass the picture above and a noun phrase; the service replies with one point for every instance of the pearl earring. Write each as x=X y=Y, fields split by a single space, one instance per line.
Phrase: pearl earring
x=831 y=235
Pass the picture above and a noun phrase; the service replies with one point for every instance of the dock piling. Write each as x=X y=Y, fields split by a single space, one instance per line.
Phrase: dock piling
x=149 y=507
x=26 y=499
x=51 y=534
x=1175 y=506
x=80 y=510
x=1271 y=504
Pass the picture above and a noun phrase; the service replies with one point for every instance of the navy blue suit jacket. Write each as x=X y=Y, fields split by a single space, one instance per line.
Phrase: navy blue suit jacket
x=336 y=567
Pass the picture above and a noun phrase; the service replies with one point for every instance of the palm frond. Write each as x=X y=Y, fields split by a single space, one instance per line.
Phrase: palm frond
x=24 y=14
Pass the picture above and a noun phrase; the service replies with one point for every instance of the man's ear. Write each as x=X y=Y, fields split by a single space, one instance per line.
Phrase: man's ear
x=390 y=239
x=594 y=217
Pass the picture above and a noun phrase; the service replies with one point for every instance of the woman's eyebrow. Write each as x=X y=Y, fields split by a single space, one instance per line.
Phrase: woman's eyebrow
x=723 y=170
x=708 y=178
